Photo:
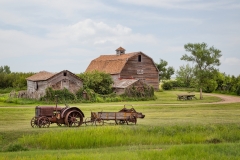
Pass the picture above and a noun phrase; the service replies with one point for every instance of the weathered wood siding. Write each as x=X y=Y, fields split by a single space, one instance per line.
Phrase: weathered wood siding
x=67 y=81
x=115 y=76
x=60 y=81
x=144 y=69
x=36 y=90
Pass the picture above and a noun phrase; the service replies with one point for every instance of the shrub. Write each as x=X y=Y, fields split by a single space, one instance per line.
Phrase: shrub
x=167 y=85
x=16 y=147
x=210 y=86
x=63 y=95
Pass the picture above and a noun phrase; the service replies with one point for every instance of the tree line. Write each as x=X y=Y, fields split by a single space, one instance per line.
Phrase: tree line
x=16 y=80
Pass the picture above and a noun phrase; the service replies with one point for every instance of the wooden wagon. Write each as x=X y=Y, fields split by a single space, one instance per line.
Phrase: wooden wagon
x=123 y=116
x=186 y=96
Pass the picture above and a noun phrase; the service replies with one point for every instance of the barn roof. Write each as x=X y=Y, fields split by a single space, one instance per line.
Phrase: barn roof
x=112 y=64
x=41 y=76
x=123 y=83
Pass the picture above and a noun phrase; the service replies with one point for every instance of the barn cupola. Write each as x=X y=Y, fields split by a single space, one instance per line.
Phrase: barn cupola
x=120 y=51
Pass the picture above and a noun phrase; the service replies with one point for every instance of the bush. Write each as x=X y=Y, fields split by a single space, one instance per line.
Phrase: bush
x=16 y=147
x=62 y=95
x=238 y=91
x=210 y=86
x=99 y=82
x=144 y=92
x=167 y=85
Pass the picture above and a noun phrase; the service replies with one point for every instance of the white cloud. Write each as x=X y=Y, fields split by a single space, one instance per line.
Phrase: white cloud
x=232 y=61
x=185 y=4
x=89 y=32
x=71 y=40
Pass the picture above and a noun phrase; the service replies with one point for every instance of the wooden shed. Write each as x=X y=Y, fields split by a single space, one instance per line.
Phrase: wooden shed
x=135 y=65
x=37 y=83
x=120 y=85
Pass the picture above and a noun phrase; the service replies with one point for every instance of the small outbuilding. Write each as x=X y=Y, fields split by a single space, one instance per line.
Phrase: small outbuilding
x=38 y=83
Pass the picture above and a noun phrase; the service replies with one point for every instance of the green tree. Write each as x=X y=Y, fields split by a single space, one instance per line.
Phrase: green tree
x=5 y=69
x=205 y=60
x=185 y=74
x=100 y=82
x=164 y=71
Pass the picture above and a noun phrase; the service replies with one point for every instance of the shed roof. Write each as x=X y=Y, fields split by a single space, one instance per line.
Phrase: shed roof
x=44 y=75
x=123 y=83
x=112 y=64
x=41 y=76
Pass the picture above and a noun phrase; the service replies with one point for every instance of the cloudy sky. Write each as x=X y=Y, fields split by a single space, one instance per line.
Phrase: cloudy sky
x=56 y=35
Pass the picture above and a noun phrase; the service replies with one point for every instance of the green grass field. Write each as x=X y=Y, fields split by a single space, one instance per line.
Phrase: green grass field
x=172 y=129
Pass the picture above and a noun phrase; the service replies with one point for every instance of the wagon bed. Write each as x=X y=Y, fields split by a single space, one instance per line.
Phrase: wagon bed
x=121 y=117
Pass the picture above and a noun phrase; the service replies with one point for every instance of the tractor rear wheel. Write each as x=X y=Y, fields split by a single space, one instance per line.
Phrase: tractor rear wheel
x=74 y=119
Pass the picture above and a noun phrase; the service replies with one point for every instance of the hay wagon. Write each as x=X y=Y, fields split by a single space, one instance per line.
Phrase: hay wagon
x=121 y=117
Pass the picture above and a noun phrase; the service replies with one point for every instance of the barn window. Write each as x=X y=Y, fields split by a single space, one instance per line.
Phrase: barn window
x=139 y=71
x=139 y=58
x=64 y=73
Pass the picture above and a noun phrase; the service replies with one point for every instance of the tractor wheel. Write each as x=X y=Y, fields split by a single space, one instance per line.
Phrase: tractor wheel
x=43 y=122
x=34 y=122
x=74 y=119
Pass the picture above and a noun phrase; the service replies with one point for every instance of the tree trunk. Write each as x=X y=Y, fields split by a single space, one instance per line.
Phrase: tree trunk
x=201 y=96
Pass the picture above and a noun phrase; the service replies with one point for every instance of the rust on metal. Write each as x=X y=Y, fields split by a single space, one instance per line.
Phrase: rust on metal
x=46 y=115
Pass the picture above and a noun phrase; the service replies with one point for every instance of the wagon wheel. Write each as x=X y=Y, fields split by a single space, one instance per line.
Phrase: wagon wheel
x=133 y=119
x=74 y=119
x=34 y=122
x=43 y=122
x=120 y=121
x=99 y=122
x=88 y=121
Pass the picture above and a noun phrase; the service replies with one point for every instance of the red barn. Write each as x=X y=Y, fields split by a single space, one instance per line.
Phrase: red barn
x=135 y=65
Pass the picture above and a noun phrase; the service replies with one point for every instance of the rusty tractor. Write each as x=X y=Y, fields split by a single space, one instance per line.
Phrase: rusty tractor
x=68 y=116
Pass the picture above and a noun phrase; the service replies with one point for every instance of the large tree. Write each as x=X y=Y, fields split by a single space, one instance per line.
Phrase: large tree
x=164 y=71
x=205 y=60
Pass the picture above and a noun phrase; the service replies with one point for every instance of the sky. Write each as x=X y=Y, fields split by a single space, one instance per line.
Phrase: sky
x=56 y=35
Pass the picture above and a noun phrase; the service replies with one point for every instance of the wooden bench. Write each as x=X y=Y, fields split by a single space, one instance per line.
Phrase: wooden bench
x=185 y=96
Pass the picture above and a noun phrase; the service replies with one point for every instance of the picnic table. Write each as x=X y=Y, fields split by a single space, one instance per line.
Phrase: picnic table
x=185 y=96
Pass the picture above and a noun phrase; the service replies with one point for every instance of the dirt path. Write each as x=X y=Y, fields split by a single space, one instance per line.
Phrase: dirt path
x=225 y=98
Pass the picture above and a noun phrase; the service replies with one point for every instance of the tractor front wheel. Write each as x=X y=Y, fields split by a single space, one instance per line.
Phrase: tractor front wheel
x=34 y=122
x=43 y=122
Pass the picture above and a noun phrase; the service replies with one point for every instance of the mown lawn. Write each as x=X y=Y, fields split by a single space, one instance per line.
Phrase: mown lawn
x=177 y=130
